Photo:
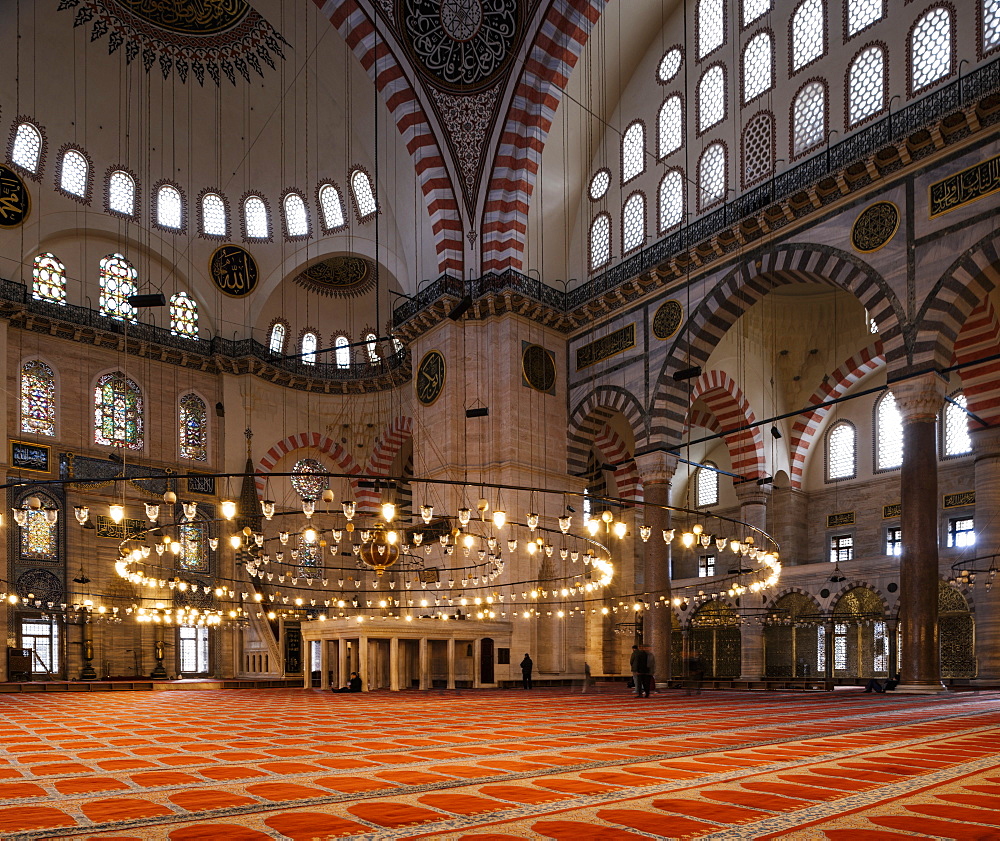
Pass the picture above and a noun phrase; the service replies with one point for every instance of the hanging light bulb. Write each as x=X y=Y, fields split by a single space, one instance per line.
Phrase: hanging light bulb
x=418 y=538
x=366 y=535
x=117 y=512
x=308 y=507
x=213 y=542
x=464 y=515
x=593 y=525
x=668 y=535
x=698 y=528
x=51 y=516
x=267 y=508
x=734 y=546
x=283 y=537
x=349 y=507
x=720 y=543
x=564 y=553
x=468 y=540
x=388 y=511
x=427 y=512
x=228 y=509
x=564 y=523
x=532 y=547
x=532 y=521
x=391 y=537
x=620 y=530
x=706 y=539
x=499 y=518
x=645 y=532
x=82 y=513
x=152 y=513
x=444 y=539
x=190 y=509
x=327 y=496
x=549 y=549
x=20 y=516
x=687 y=539
x=336 y=534
x=309 y=535
x=492 y=543
x=512 y=545
x=175 y=548
x=235 y=541
x=159 y=548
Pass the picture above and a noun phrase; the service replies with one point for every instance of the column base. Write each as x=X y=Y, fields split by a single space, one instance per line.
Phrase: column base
x=920 y=689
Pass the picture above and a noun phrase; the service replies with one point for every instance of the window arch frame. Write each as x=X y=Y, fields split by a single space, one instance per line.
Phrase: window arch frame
x=594 y=268
x=701 y=471
x=943 y=453
x=699 y=56
x=290 y=237
x=793 y=155
x=141 y=425
x=659 y=216
x=666 y=52
x=698 y=99
x=660 y=154
x=201 y=215
x=824 y=16
x=88 y=190
x=877 y=437
x=354 y=195
x=981 y=49
x=848 y=125
x=48 y=255
x=284 y=339
x=766 y=30
x=255 y=194
x=136 y=193
x=642 y=150
x=182 y=294
x=764 y=113
x=725 y=176
x=326 y=229
x=346 y=347
x=301 y=348
x=952 y=48
x=745 y=24
x=636 y=248
x=36 y=174
x=827 y=437
x=154 y=208
x=25 y=361
x=207 y=431
x=851 y=36
x=373 y=355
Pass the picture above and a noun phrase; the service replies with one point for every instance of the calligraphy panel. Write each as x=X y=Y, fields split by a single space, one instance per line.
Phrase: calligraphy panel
x=15 y=203
x=605 y=347
x=969 y=185
x=233 y=271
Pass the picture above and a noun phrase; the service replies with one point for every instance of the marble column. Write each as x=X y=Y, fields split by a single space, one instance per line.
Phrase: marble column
x=919 y=401
x=425 y=663
x=657 y=470
x=986 y=446
x=324 y=664
x=754 y=500
x=451 y=662
x=394 y=664
x=790 y=524
x=341 y=663
x=477 y=656
x=363 y=662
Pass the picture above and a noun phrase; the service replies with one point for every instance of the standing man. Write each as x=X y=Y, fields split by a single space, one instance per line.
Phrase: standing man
x=648 y=667
x=526 y=665
x=635 y=666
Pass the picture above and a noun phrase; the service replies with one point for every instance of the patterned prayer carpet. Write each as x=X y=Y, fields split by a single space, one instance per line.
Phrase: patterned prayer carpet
x=490 y=765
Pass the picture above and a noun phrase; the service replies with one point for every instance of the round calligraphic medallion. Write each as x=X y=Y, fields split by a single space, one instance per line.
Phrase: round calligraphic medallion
x=429 y=382
x=15 y=203
x=539 y=368
x=343 y=276
x=39 y=584
x=875 y=227
x=233 y=270
x=667 y=320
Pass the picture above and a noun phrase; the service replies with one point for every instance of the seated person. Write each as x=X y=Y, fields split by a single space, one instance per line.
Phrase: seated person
x=353 y=685
x=891 y=683
x=874 y=686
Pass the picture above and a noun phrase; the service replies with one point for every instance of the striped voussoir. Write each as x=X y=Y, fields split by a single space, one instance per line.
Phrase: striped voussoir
x=303 y=440
x=834 y=385
x=979 y=339
x=706 y=420
x=546 y=70
x=724 y=399
x=613 y=450
x=351 y=21
x=593 y=412
x=387 y=447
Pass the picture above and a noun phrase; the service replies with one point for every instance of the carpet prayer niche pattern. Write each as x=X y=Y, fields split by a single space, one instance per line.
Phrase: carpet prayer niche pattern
x=297 y=764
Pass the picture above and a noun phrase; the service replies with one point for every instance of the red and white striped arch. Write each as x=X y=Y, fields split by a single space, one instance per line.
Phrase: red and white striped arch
x=706 y=420
x=835 y=385
x=300 y=441
x=725 y=400
x=978 y=339
x=387 y=447
x=442 y=205
x=614 y=451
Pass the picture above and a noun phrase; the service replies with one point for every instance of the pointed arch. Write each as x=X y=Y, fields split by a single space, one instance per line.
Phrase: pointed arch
x=302 y=440
x=384 y=452
x=978 y=339
x=724 y=398
x=591 y=413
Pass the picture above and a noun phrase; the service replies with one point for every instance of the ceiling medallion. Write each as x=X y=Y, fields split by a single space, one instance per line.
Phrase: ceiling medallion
x=667 y=320
x=875 y=227
x=220 y=37
x=343 y=276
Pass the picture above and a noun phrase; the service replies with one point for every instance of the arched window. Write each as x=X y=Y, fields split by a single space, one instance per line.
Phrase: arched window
x=671 y=125
x=117 y=284
x=669 y=65
x=38 y=398
x=26 y=151
x=863 y=13
x=758 y=66
x=121 y=193
x=296 y=216
x=758 y=149
x=371 y=345
x=707 y=485
x=808 y=33
x=193 y=556
x=990 y=24
x=633 y=223
x=808 y=118
x=600 y=241
x=633 y=151
x=753 y=9
x=671 y=197
x=74 y=173
x=955 y=427
x=364 y=195
x=309 y=345
x=930 y=49
x=192 y=428
x=38 y=535
x=866 y=85
x=255 y=221
x=169 y=207
x=342 y=351
x=48 y=279
x=118 y=412
x=184 y=316
x=712 y=176
x=214 y=218
x=276 y=341
x=711 y=97
x=711 y=26
x=310 y=555
x=888 y=433
x=841 y=451
x=332 y=208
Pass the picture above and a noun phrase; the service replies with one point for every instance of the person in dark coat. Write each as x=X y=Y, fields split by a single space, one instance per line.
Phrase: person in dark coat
x=353 y=685
x=526 y=666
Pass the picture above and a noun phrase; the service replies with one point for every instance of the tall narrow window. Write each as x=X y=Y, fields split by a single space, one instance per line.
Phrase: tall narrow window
x=309 y=345
x=169 y=207
x=671 y=199
x=364 y=195
x=276 y=341
x=74 y=173
x=42 y=637
x=880 y=648
x=956 y=427
x=866 y=85
x=707 y=485
x=711 y=97
x=706 y=566
x=121 y=193
x=753 y=9
x=38 y=536
x=758 y=73
x=633 y=151
x=633 y=223
x=711 y=26
x=841 y=451
x=193 y=556
x=192 y=645
x=192 y=427
x=38 y=399
x=863 y=13
x=808 y=33
x=255 y=221
x=888 y=433
x=184 y=316
x=758 y=149
x=332 y=207
x=213 y=216
x=296 y=216
x=117 y=284
x=809 y=118
x=841 y=548
x=990 y=11
x=712 y=176
x=600 y=241
x=930 y=49
x=310 y=555
x=671 y=125
x=118 y=420
x=26 y=151
x=371 y=345
x=48 y=279
x=894 y=541
x=342 y=351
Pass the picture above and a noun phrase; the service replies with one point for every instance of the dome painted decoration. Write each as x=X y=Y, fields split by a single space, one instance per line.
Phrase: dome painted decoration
x=667 y=320
x=233 y=270
x=875 y=226
x=217 y=37
x=15 y=202
x=343 y=276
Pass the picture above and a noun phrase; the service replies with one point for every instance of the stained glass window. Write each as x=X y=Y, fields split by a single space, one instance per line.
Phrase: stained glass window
x=193 y=555
x=712 y=175
x=711 y=26
x=121 y=193
x=956 y=427
x=38 y=398
x=184 y=316
x=707 y=485
x=930 y=49
x=866 y=85
x=73 y=173
x=213 y=215
x=991 y=25
x=309 y=345
x=48 y=279
x=669 y=65
x=364 y=195
x=310 y=479
x=372 y=347
x=841 y=451
x=342 y=351
x=296 y=216
x=332 y=207
x=277 y=340
x=192 y=428
x=712 y=97
x=600 y=241
x=888 y=433
x=758 y=149
x=862 y=14
x=633 y=151
x=757 y=66
x=169 y=207
x=753 y=9
x=671 y=124
x=808 y=33
x=671 y=199
x=117 y=284
x=633 y=223
x=809 y=118
x=118 y=412
x=310 y=557
x=38 y=535
x=255 y=218
x=27 y=150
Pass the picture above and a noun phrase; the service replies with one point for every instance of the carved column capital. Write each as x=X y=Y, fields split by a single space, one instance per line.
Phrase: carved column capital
x=750 y=493
x=656 y=467
x=985 y=441
x=919 y=399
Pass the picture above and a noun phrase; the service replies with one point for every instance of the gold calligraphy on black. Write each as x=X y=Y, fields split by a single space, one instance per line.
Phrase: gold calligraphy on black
x=233 y=270
x=965 y=187
x=14 y=200
x=606 y=346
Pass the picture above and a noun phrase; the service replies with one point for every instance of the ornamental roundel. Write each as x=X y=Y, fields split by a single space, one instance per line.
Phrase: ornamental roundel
x=15 y=202
x=233 y=270
x=343 y=276
x=667 y=320
x=875 y=226
x=39 y=584
x=429 y=382
x=461 y=44
x=539 y=368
